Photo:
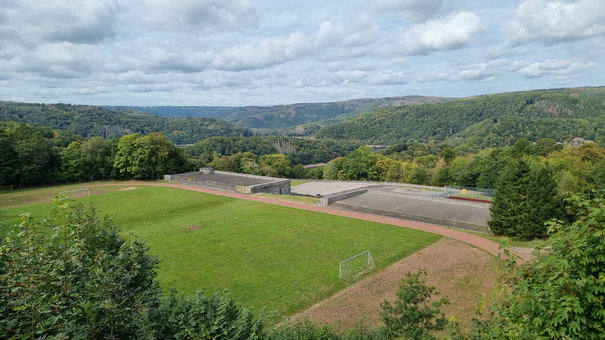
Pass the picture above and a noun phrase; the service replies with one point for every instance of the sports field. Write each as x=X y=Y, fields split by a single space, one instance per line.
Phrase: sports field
x=268 y=257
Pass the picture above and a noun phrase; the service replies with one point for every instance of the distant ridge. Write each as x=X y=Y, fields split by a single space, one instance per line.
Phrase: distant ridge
x=485 y=120
x=475 y=122
x=291 y=115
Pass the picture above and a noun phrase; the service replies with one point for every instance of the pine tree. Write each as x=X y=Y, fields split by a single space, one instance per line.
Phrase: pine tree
x=543 y=203
x=509 y=208
x=525 y=199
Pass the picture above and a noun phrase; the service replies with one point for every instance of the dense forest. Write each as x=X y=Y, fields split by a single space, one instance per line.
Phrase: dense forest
x=287 y=116
x=484 y=121
x=471 y=123
x=89 y=121
x=180 y=111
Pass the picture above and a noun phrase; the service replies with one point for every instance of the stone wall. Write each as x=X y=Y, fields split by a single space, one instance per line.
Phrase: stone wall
x=329 y=199
x=272 y=185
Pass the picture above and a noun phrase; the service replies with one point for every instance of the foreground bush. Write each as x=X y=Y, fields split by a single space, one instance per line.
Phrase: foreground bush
x=73 y=276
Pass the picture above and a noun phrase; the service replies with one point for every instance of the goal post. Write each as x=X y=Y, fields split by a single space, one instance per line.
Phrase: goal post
x=355 y=266
x=85 y=191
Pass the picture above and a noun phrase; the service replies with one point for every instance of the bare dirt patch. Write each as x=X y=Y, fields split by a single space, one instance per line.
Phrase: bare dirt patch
x=130 y=188
x=465 y=274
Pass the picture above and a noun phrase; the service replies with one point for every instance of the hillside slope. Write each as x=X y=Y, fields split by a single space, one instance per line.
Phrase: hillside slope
x=484 y=121
x=88 y=121
x=285 y=116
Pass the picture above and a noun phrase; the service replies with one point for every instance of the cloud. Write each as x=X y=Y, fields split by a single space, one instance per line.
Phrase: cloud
x=79 y=21
x=61 y=60
x=388 y=78
x=477 y=72
x=450 y=33
x=481 y=71
x=414 y=10
x=554 y=66
x=551 y=22
x=206 y=15
x=275 y=51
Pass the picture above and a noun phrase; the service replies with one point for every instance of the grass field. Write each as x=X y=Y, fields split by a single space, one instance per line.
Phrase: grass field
x=271 y=257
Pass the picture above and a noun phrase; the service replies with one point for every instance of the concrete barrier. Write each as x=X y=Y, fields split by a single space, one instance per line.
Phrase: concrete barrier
x=329 y=199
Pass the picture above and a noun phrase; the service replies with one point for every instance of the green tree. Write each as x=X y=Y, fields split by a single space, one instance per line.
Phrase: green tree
x=300 y=172
x=448 y=154
x=414 y=315
x=525 y=199
x=491 y=167
x=8 y=160
x=417 y=173
x=72 y=168
x=278 y=162
x=148 y=157
x=560 y=293
x=73 y=276
x=98 y=155
x=396 y=172
x=360 y=164
x=198 y=316
x=36 y=157
x=544 y=146
x=333 y=168
x=124 y=161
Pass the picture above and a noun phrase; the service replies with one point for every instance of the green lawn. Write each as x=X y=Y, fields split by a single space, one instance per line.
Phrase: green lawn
x=271 y=257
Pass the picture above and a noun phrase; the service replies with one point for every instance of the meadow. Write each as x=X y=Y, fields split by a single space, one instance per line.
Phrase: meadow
x=272 y=258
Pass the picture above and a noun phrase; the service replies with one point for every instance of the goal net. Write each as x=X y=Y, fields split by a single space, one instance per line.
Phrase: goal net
x=353 y=267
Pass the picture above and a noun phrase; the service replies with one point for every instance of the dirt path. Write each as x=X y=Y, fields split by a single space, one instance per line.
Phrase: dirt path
x=465 y=274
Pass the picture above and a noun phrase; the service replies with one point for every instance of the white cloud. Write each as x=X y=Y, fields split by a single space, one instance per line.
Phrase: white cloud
x=414 y=10
x=550 y=22
x=449 y=33
x=388 y=78
x=275 y=51
x=481 y=71
x=209 y=15
x=78 y=21
x=554 y=66
x=57 y=60
x=269 y=52
x=244 y=52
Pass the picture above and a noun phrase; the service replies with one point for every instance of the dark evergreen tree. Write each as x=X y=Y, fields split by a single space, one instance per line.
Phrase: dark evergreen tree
x=510 y=206
x=543 y=203
x=525 y=199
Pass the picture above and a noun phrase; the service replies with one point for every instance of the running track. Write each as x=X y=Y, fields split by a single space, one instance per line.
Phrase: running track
x=489 y=246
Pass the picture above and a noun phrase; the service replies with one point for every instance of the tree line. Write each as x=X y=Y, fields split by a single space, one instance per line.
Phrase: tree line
x=574 y=168
x=94 y=121
x=34 y=156
x=38 y=155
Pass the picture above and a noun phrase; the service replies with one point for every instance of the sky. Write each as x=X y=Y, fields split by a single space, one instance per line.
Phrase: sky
x=268 y=52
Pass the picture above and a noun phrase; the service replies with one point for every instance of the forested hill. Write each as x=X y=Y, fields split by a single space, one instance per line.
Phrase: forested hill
x=484 y=121
x=181 y=111
x=287 y=116
x=91 y=121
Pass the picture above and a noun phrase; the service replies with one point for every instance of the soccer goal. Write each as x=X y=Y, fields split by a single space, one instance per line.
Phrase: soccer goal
x=355 y=266
x=77 y=192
